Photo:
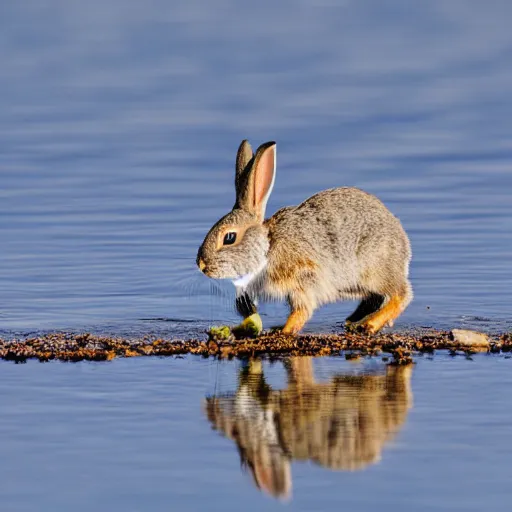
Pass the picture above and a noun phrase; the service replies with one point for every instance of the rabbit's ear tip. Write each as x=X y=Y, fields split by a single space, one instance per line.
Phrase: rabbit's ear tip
x=245 y=149
x=267 y=145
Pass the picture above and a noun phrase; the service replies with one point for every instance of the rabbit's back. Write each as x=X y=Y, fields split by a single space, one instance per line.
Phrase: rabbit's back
x=344 y=235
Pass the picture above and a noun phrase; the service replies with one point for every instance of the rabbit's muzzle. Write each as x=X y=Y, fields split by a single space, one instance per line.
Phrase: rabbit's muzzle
x=206 y=266
x=202 y=266
x=200 y=261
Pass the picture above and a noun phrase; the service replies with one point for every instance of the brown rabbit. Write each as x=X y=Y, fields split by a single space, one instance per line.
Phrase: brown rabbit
x=341 y=243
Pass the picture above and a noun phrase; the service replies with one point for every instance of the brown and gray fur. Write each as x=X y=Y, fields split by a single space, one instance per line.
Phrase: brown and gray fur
x=340 y=424
x=341 y=243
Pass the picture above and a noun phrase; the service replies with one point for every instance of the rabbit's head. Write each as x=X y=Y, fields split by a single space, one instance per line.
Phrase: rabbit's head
x=237 y=245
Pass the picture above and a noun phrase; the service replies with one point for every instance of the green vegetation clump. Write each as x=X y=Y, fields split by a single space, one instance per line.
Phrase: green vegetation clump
x=222 y=332
x=251 y=327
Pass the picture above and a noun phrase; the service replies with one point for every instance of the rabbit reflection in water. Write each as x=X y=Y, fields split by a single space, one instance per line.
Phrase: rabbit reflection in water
x=342 y=424
x=341 y=243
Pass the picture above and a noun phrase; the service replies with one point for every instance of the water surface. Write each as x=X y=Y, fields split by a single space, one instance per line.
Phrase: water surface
x=119 y=122
x=134 y=435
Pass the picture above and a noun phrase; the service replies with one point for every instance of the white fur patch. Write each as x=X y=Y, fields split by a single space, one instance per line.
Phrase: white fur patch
x=243 y=282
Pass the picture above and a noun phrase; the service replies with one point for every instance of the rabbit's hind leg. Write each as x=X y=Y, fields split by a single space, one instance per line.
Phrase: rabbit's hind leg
x=366 y=307
x=392 y=308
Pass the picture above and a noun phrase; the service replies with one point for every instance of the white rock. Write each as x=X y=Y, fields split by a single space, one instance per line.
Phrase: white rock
x=471 y=338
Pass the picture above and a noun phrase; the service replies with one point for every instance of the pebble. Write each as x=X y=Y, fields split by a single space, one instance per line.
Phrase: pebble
x=471 y=338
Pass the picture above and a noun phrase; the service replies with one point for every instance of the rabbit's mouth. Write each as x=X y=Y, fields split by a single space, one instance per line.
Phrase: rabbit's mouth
x=215 y=272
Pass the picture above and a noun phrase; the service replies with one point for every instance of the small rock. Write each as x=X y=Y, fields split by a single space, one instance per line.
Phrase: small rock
x=472 y=338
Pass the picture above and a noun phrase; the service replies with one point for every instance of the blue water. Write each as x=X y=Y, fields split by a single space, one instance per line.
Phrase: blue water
x=119 y=123
x=132 y=435
x=119 y=126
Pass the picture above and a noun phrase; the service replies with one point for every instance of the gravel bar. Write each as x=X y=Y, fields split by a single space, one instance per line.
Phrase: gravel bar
x=398 y=348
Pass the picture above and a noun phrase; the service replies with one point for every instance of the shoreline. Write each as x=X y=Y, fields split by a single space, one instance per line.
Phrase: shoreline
x=395 y=348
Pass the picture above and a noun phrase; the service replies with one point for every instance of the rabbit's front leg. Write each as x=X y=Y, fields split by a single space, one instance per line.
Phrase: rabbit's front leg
x=245 y=305
x=296 y=321
x=301 y=309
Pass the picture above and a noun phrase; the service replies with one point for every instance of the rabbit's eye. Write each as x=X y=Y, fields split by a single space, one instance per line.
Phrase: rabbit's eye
x=229 y=238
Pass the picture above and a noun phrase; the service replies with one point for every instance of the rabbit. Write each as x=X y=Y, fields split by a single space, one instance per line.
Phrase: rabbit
x=339 y=244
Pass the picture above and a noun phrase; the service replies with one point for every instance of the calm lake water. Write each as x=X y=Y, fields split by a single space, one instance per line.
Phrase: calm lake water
x=119 y=124
x=136 y=435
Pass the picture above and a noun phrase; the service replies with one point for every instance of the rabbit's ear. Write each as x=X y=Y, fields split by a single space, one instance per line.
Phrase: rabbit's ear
x=271 y=472
x=257 y=184
x=243 y=157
